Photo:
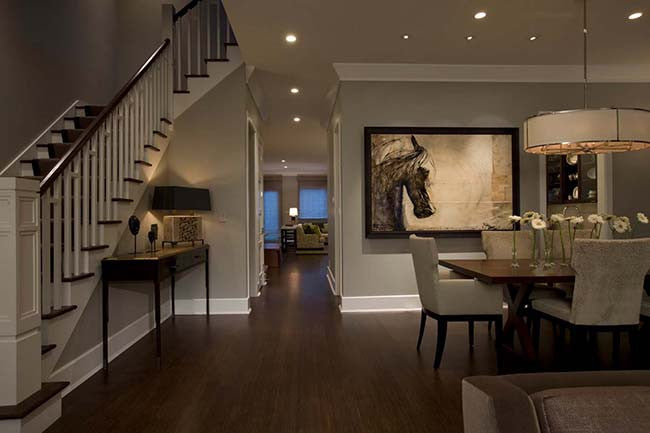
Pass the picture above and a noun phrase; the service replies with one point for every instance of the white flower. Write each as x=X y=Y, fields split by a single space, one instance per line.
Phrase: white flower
x=595 y=219
x=608 y=217
x=577 y=220
x=642 y=218
x=557 y=218
x=625 y=219
x=514 y=219
x=538 y=224
x=620 y=225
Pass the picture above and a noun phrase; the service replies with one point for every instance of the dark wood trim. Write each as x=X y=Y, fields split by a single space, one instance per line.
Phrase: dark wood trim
x=33 y=402
x=109 y=222
x=133 y=180
x=161 y=134
x=88 y=132
x=185 y=9
x=47 y=348
x=151 y=147
x=370 y=130
x=165 y=120
x=141 y=162
x=94 y=248
x=122 y=200
x=197 y=76
x=78 y=277
x=216 y=60
x=181 y=91
x=58 y=312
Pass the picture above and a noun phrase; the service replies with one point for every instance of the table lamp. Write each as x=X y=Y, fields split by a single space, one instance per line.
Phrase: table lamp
x=182 y=225
x=293 y=213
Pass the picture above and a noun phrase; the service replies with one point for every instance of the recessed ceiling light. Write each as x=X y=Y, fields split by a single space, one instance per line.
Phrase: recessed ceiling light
x=405 y=36
x=635 y=16
x=284 y=160
x=291 y=38
x=480 y=15
x=295 y=90
x=286 y=166
x=297 y=119
x=469 y=37
x=532 y=38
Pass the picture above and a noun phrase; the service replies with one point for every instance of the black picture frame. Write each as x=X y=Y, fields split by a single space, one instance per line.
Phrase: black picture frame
x=369 y=131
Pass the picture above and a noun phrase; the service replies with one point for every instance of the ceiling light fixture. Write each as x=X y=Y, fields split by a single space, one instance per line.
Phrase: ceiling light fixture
x=405 y=36
x=284 y=160
x=297 y=119
x=286 y=166
x=291 y=38
x=532 y=38
x=295 y=90
x=635 y=16
x=587 y=130
x=480 y=15
x=469 y=38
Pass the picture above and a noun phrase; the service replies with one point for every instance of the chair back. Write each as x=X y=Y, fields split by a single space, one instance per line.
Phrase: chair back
x=609 y=280
x=425 y=262
x=497 y=245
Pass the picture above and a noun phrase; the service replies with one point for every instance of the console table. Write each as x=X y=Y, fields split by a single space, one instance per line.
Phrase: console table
x=154 y=267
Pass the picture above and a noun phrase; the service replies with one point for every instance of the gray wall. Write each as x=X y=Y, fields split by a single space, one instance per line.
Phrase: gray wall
x=53 y=52
x=289 y=197
x=383 y=267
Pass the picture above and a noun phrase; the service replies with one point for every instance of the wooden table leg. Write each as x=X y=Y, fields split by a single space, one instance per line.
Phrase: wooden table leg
x=516 y=321
x=173 y=278
x=105 y=324
x=207 y=282
x=157 y=314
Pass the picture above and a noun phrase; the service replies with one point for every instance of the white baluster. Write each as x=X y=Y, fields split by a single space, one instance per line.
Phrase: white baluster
x=46 y=249
x=111 y=167
x=203 y=36
x=120 y=152
x=102 y=181
x=184 y=48
x=94 y=185
x=176 y=41
x=57 y=226
x=67 y=221
x=76 y=235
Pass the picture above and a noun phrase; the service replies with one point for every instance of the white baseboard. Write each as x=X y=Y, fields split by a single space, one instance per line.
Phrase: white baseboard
x=37 y=421
x=375 y=304
x=331 y=280
x=84 y=366
x=217 y=306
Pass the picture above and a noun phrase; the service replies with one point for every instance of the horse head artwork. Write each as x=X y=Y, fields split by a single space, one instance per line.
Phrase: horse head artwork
x=395 y=171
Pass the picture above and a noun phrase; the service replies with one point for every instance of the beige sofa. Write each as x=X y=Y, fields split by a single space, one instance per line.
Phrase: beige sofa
x=306 y=242
x=586 y=402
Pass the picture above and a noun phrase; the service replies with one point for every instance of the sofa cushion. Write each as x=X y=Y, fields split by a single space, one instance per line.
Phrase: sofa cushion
x=594 y=409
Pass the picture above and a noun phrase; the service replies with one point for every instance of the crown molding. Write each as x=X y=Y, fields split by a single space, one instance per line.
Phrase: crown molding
x=491 y=73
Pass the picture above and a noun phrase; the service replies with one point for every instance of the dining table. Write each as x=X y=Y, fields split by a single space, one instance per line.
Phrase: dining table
x=518 y=283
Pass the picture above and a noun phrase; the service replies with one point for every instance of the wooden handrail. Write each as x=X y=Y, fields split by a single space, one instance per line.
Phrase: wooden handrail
x=185 y=9
x=88 y=132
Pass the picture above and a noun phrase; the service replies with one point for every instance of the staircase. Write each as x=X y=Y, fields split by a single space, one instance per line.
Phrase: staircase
x=95 y=162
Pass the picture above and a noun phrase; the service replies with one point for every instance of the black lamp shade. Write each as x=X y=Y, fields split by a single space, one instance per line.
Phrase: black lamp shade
x=181 y=198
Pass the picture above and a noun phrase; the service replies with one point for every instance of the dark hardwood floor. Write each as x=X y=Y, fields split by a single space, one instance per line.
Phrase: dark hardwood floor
x=295 y=364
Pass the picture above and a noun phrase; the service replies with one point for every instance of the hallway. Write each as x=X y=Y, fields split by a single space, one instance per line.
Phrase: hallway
x=295 y=364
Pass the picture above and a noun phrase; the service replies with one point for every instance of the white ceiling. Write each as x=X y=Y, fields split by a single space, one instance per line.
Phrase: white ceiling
x=369 y=31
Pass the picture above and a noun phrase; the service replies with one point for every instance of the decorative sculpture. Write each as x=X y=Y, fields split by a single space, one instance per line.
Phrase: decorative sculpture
x=134 y=228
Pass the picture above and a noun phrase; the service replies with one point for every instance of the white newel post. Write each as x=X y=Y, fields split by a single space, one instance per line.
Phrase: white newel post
x=20 y=296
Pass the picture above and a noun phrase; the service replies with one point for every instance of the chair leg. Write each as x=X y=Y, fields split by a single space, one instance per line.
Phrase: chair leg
x=498 y=331
x=536 y=324
x=490 y=327
x=423 y=322
x=440 y=344
x=470 y=326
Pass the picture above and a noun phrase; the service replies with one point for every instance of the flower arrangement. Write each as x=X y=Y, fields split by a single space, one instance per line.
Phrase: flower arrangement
x=514 y=220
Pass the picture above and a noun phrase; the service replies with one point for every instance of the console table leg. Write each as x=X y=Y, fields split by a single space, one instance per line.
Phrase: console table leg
x=157 y=313
x=173 y=278
x=105 y=324
x=207 y=282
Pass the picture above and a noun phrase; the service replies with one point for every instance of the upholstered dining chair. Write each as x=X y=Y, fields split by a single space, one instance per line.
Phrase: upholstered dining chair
x=453 y=300
x=608 y=289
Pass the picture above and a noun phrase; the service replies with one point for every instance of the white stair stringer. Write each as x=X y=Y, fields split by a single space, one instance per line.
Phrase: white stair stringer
x=199 y=86
x=59 y=330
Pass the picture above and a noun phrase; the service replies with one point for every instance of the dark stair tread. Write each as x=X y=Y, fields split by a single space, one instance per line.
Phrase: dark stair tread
x=141 y=162
x=81 y=122
x=122 y=199
x=133 y=180
x=165 y=120
x=107 y=222
x=152 y=147
x=197 y=76
x=163 y=135
x=231 y=44
x=58 y=312
x=217 y=60
x=77 y=277
x=46 y=348
x=181 y=91
x=94 y=248
x=33 y=402
x=32 y=177
x=59 y=131
x=91 y=110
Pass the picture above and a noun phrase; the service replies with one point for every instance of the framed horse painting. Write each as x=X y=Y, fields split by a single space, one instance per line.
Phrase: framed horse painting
x=440 y=181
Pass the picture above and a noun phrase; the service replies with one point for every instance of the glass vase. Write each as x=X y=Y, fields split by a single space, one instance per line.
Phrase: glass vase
x=534 y=256
x=515 y=262
x=548 y=249
x=564 y=259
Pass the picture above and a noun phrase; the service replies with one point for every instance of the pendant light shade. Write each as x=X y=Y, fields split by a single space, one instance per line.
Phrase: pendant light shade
x=587 y=131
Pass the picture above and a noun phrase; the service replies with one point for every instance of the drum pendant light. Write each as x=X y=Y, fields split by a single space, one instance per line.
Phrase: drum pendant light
x=587 y=130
